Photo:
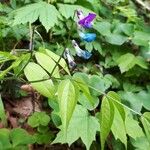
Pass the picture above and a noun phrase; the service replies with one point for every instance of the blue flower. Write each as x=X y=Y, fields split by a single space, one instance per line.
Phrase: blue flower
x=81 y=53
x=69 y=58
x=88 y=37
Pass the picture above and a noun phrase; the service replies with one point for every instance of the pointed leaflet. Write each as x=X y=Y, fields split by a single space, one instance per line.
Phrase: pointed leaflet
x=81 y=125
x=55 y=57
x=132 y=126
x=116 y=100
x=67 y=99
x=118 y=127
x=83 y=86
x=47 y=14
x=35 y=72
x=146 y=124
x=47 y=63
x=106 y=119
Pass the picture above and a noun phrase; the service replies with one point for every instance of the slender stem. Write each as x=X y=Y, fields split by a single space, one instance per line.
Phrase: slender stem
x=31 y=37
x=109 y=97
x=40 y=37
x=30 y=47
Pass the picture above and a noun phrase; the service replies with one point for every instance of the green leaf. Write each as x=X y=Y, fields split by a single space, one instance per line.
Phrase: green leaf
x=45 y=138
x=4 y=138
x=111 y=80
x=97 y=46
x=106 y=119
x=34 y=72
x=3 y=117
x=126 y=62
x=129 y=87
x=116 y=100
x=118 y=127
x=141 y=62
x=104 y=28
x=98 y=83
x=47 y=63
x=116 y=39
x=126 y=28
x=141 y=143
x=20 y=63
x=67 y=99
x=146 y=124
x=69 y=10
x=132 y=126
x=132 y=99
x=89 y=104
x=38 y=118
x=47 y=14
x=81 y=125
x=20 y=137
x=4 y=72
x=6 y=56
x=141 y=38
x=145 y=99
x=83 y=86
x=55 y=57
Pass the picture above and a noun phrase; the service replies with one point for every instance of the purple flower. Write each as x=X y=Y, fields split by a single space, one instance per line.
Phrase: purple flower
x=85 y=22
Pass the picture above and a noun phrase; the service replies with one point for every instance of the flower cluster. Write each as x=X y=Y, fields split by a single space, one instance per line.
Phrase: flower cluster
x=84 y=22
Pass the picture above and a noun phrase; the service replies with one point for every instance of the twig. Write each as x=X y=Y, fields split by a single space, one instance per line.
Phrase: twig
x=143 y=4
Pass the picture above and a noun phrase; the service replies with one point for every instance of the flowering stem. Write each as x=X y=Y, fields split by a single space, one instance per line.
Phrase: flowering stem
x=69 y=35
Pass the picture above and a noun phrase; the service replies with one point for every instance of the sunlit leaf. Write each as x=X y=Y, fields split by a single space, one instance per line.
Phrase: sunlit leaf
x=47 y=63
x=46 y=13
x=81 y=125
x=56 y=57
x=20 y=136
x=34 y=72
x=132 y=126
x=67 y=99
x=146 y=124
x=106 y=119
x=118 y=127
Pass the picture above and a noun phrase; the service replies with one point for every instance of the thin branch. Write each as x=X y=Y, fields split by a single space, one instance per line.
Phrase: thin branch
x=144 y=5
x=109 y=97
